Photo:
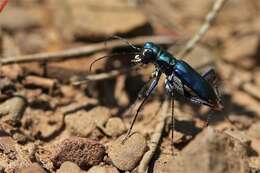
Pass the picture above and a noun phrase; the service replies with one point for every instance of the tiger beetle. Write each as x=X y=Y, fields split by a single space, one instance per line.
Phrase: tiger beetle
x=181 y=79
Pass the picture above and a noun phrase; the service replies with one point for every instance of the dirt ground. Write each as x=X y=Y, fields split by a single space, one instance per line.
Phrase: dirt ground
x=50 y=124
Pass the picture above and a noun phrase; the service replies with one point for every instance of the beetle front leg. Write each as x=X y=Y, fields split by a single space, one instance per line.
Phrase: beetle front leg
x=146 y=96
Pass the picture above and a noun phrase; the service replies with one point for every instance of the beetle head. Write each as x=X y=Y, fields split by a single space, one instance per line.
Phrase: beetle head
x=148 y=53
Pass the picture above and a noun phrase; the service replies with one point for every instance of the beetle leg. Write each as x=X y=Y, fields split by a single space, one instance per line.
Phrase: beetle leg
x=172 y=121
x=210 y=76
x=141 y=94
x=199 y=101
x=146 y=96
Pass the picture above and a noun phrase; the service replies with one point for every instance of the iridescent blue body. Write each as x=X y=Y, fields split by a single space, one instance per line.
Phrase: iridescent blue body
x=190 y=83
x=181 y=78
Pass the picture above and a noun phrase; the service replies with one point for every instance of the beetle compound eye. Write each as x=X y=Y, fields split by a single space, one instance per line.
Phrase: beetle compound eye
x=147 y=56
x=147 y=53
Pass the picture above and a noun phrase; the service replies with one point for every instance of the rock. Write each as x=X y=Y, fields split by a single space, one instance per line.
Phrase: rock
x=115 y=127
x=17 y=18
x=68 y=91
x=14 y=157
x=80 y=124
x=7 y=147
x=211 y=151
x=12 y=110
x=34 y=168
x=82 y=151
x=83 y=123
x=69 y=167
x=103 y=169
x=100 y=115
x=240 y=47
x=114 y=17
x=201 y=57
x=254 y=130
x=43 y=156
x=12 y=71
x=127 y=156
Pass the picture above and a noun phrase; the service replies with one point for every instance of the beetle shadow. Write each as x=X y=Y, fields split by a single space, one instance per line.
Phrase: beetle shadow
x=188 y=128
x=229 y=108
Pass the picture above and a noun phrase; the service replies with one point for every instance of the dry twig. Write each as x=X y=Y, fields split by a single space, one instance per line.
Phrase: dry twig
x=155 y=139
x=210 y=18
x=42 y=82
x=85 y=50
x=103 y=76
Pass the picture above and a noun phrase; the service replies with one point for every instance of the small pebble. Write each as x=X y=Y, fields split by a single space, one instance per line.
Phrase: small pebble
x=34 y=168
x=100 y=115
x=127 y=156
x=115 y=127
x=12 y=110
x=69 y=167
x=82 y=151
x=80 y=124
x=103 y=169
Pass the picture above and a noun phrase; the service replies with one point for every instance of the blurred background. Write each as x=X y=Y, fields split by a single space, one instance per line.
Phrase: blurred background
x=53 y=108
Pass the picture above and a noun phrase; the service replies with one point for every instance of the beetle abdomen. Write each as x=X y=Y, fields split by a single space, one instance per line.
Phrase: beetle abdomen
x=194 y=81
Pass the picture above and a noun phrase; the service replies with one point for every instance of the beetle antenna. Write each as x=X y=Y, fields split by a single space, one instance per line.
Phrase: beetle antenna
x=110 y=56
x=124 y=40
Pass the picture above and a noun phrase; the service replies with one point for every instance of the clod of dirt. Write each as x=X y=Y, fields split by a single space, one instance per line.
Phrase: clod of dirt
x=83 y=123
x=254 y=130
x=13 y=156
x=43 y=125
x=12 y=110
x=115 y=127
x=80 y=124
x=211 y=151
x=69 y=167
x=114 y=17
x=247 y=46
x=125 y=156
x=82 y=151
x=34 y=168
x=100 y=115
x=7 y=147
x=103 y=169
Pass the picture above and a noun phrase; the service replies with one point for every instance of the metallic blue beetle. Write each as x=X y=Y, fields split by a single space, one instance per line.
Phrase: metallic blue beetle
x=181 y=78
